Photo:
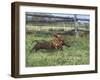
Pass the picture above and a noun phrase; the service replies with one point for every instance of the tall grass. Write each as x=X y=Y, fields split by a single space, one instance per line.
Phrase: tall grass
x=77 y=54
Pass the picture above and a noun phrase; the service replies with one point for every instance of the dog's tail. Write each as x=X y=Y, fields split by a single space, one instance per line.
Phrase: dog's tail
x=32 y=43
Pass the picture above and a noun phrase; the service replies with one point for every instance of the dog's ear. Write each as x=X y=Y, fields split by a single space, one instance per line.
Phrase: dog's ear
x=55 y=35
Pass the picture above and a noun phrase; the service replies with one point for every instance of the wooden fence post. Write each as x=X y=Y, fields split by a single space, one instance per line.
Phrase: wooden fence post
x=76 y=26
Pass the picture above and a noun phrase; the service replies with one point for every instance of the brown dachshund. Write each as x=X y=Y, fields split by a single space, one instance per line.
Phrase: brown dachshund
x=56 y=43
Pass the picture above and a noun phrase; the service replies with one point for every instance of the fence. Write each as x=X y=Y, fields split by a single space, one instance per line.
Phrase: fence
x=49 y=22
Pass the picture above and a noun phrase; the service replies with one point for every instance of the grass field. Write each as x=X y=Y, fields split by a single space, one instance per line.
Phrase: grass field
x=77 y=54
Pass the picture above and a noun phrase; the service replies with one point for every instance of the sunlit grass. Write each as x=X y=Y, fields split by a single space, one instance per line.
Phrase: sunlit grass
x=77 y=54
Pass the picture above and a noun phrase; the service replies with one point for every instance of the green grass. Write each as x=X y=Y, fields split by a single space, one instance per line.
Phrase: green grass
x=77 y=54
